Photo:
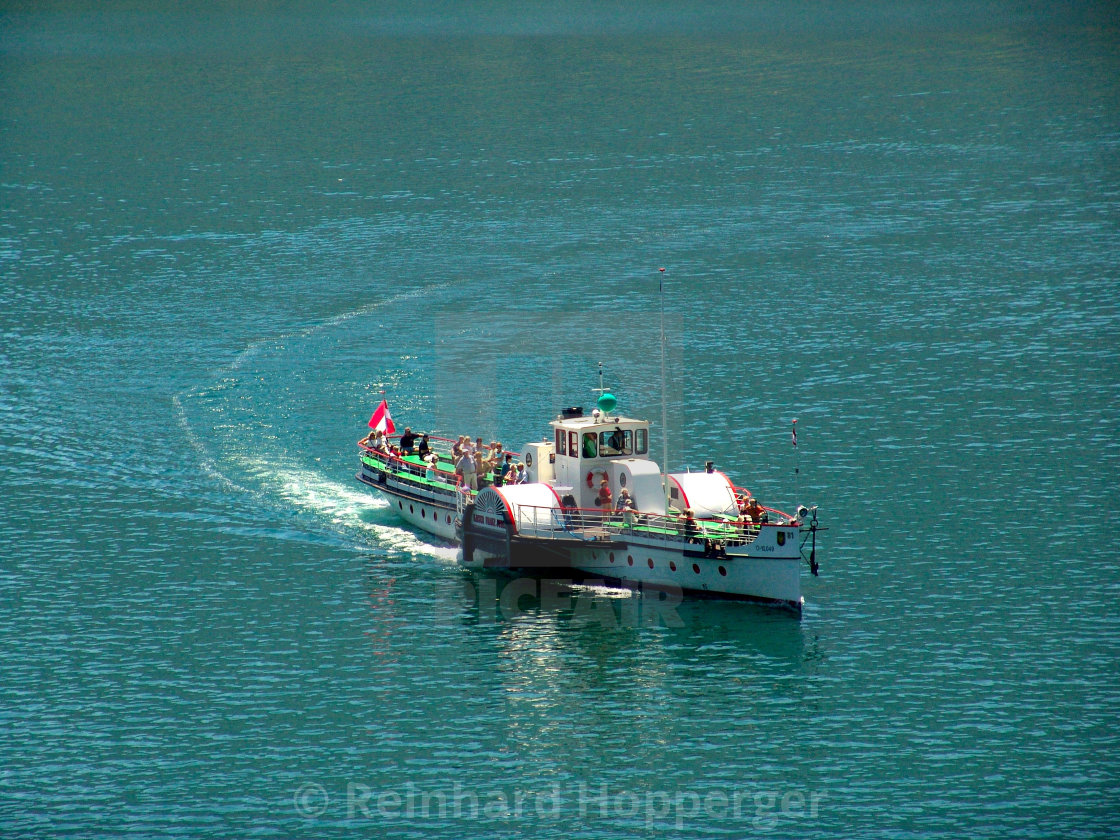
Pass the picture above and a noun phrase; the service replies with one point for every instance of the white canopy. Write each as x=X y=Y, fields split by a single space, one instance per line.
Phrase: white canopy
x=708 y=495
x=534 y=508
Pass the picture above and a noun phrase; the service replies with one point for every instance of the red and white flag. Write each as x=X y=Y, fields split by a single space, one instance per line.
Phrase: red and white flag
x=795 y=433
x=381 y=421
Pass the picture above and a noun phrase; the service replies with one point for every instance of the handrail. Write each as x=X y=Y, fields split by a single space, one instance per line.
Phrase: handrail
x=451 y=441
x=398 y=463
x=595 y=523
x=743 y=491
x=601 y=518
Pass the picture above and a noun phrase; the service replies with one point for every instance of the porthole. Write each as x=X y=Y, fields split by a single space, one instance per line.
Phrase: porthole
x=650 y=561
x=410 y=509
x=630 y=560
x=672 y=565
x=423 y=513
x=400 y=505
x=723 y=571
x=696 y=568
x=612 y=556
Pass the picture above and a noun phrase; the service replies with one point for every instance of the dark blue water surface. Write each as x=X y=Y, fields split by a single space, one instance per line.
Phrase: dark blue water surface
x=226 y=230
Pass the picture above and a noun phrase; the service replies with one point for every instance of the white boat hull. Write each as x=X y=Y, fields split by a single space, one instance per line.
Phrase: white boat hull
x=768 y=579
x=423 y=510
x=759 y=563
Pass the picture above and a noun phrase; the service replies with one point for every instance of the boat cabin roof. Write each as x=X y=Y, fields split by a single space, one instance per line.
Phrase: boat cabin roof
x=602 y=421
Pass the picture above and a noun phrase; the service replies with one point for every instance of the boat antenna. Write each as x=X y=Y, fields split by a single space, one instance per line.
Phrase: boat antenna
x=796 y=465
x=664 y=415
x=600 y=389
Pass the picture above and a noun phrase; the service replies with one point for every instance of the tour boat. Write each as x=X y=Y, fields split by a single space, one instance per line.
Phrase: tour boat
x=681 y=532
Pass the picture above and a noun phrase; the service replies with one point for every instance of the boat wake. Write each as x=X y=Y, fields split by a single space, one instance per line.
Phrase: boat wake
x=349 y=510
x=249 y=433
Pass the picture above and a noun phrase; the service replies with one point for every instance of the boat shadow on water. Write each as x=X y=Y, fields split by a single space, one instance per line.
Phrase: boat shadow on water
x=586 y=610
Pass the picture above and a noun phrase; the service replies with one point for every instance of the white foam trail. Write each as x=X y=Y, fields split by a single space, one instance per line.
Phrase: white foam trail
x=253 y=348
x=345 y=507
x=205 y=460
x=603 y=590
x=210 y=463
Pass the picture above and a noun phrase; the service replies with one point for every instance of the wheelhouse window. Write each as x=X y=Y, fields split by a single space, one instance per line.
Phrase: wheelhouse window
x=561 y=442
x=590 y=445
x=618 y=442
x=641 y=441
x=573 y=444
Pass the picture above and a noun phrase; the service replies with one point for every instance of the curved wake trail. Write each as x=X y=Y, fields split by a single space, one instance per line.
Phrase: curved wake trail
x=254 y=446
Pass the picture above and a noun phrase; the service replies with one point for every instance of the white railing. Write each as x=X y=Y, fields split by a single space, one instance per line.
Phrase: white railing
x=592 y=524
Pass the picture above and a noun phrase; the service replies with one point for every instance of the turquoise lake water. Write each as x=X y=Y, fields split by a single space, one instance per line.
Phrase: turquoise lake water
x=226 y=229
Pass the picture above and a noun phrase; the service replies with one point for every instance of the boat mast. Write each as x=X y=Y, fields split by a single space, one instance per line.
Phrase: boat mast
x=664 y=415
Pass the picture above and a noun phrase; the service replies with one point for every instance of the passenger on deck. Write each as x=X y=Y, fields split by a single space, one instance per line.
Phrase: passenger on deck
x=379 y=441
x=688 y=524
x=754 y=511
x=480 y=469
x=457 y=449
x=464 y=468
x=567 y=505
x=489 y=459
x=604 y=499
x=510 y=476
x=432 y=460
x=625 y=506
x=408 y=441
x=494 y=464
x=424 y=448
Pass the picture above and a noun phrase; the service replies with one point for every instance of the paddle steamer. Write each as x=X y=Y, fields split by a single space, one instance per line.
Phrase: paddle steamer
x=693 y=531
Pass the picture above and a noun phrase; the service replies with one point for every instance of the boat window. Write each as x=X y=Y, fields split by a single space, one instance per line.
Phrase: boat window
x=618 y=442
x=561 y=442
x=590 y=448
x=641 y=441
x=573 y=444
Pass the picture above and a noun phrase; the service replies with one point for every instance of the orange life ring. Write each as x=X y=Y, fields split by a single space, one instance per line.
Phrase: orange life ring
x=591 y=474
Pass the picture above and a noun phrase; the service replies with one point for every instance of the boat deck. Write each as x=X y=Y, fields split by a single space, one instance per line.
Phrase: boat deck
x=415 y=469
x=576 y=524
